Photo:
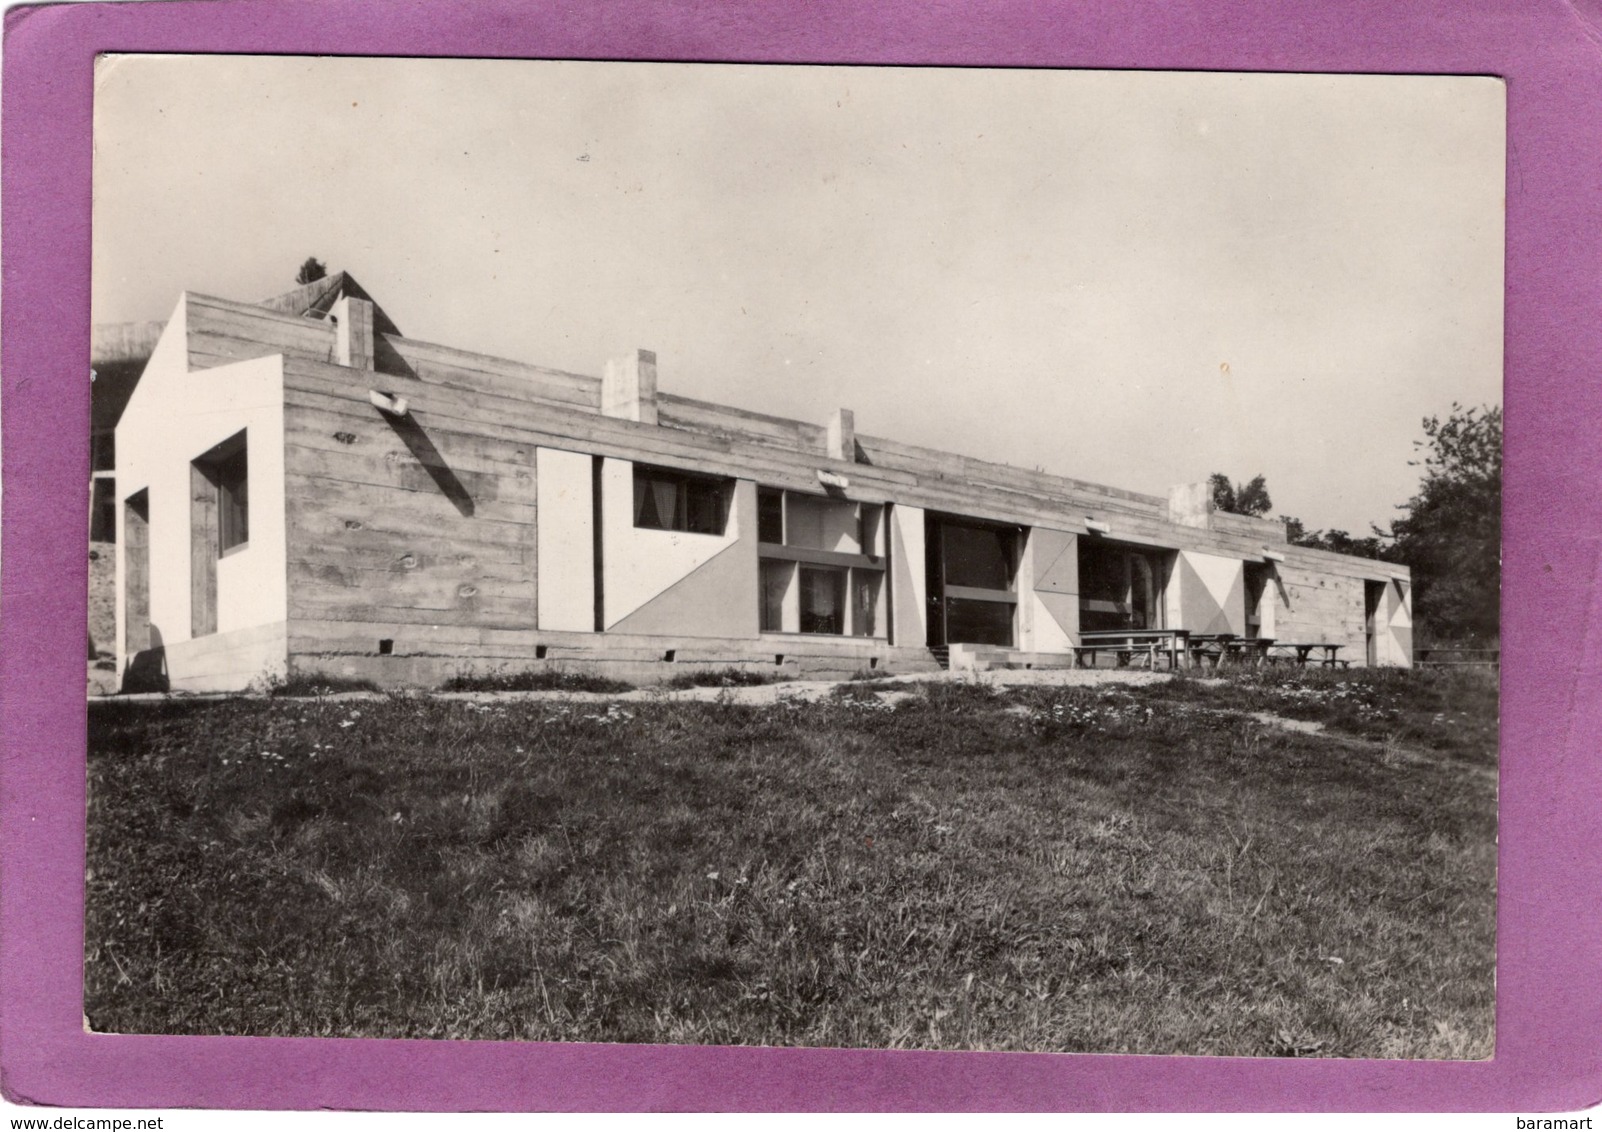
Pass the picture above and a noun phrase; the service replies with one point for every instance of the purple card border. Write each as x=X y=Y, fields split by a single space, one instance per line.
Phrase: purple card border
x=1550 y=905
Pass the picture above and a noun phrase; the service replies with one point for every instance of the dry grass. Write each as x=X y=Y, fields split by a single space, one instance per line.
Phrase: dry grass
x=1051 y=869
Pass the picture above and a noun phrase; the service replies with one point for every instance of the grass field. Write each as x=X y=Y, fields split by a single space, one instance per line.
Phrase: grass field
x=1109 y=869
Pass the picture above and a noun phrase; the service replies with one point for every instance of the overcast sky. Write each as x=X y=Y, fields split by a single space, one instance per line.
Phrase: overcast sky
x=1133 y=278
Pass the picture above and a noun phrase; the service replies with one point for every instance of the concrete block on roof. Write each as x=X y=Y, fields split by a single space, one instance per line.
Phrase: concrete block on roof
x=353 y=334
x=628 y=388
x=842 y=435
x=1191 y=504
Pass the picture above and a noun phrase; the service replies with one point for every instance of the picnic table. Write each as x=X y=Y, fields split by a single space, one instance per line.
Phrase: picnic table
x=1300 y=652
x=1128 y=644
x=1207 y=648
x=1251 y=650
x=1220 y=648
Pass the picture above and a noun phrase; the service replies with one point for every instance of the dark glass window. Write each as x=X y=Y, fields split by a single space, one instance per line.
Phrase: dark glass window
x=813 y=522
x=1103 y=575
x=770 y=516
x=822 y=600
x=981 y=557
x=979 y=622
x=776 y=578
x=1119 y=588
x=865 y=586
x=103 y=510
x=233 y=501
x=667 y=501
x=103 y=450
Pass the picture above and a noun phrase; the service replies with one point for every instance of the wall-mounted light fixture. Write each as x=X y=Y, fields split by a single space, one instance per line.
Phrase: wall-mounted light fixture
x=387 y=403
x=833 y=479
x=1096 y=526
x=1273 y=555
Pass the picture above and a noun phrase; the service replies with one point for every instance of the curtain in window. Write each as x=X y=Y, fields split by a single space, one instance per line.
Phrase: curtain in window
x=656 y=504
x=822 y=601
x=666 y=493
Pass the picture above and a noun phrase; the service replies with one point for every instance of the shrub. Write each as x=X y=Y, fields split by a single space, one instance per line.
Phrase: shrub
x=318 y=684
x=530 y=680
x=723 y=678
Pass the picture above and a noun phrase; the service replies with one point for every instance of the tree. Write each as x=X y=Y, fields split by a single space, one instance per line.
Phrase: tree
x=1223 y=492
x=1338 y=541
x=1451 y=532
x=1252 y=499
x=310 y=271
x=1240 y=499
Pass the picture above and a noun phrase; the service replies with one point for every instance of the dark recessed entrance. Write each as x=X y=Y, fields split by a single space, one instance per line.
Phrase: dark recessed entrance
x=971 y=573
x=1120 y=587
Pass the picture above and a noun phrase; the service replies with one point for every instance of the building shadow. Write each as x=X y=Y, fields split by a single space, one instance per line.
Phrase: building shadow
x=147 y=668
x=420 y=446
x=387 y=359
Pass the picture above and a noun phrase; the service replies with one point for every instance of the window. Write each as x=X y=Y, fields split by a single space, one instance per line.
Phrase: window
x=103 y=508
x=223 y=475
x=821 y=562
x=103 y=450
x=865 y=585
x=770 y=515
x=233 y=502
x=980 y=557
x=813 y=522
x=219 y=521
x=672 y=501
x=978 y=622
x=776 y=580
x=822 y=600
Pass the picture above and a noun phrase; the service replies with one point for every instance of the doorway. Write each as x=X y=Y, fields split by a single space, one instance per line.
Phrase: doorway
x=136 y=573
x=1256 y=579
x=1373 y=596
x=1120 y=587
x=971 y=572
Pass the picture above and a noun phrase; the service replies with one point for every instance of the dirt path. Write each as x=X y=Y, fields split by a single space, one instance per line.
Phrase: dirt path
x=756 y=694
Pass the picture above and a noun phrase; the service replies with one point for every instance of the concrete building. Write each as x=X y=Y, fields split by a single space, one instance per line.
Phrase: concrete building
x=303 y=489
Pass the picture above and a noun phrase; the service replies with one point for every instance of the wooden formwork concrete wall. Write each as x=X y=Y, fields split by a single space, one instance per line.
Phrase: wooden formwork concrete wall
x=429 y=660
x=397 y=524
x=1315 y=606
x=421 y=531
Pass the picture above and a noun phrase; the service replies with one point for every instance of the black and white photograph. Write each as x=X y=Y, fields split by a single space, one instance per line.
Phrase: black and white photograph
x=799 y=556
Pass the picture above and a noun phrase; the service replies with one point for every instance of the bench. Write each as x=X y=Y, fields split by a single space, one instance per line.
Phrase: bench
x=1128 y=644
x=1301 y=652
x=1222 y=648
